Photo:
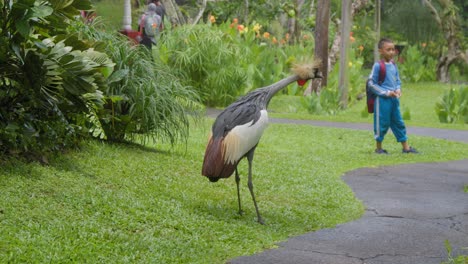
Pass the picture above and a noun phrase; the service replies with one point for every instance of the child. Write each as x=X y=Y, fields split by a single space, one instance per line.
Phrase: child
x=387 y=104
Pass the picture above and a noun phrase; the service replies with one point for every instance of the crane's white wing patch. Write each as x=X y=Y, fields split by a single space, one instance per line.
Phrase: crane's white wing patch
x=243 y=138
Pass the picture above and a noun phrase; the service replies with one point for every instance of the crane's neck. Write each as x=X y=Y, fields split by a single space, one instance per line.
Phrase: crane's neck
x=274 y=88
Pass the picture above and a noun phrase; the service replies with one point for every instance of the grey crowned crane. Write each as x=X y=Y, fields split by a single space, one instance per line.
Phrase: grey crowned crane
x=237 y=131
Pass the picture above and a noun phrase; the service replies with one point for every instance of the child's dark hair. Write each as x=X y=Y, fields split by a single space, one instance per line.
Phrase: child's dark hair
x=382 y=41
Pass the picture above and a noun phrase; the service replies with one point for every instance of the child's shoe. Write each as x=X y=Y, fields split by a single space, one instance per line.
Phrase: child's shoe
x=381 y=151
x=410 y=150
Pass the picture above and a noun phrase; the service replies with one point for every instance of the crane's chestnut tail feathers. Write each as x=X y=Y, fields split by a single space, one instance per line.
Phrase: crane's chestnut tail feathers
x=214 y=166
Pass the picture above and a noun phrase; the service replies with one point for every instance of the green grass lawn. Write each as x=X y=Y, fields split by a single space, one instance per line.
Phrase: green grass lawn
x=126 y=203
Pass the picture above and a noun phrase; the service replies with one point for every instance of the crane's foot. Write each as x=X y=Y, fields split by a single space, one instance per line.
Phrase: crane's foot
x=260 y=221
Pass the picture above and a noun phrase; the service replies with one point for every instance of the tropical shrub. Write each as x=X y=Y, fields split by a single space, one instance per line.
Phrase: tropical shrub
x=416 y=66
x=46 y=79
x=143 y=99
x=245 y=58
x=206 y=59
x=453 y=106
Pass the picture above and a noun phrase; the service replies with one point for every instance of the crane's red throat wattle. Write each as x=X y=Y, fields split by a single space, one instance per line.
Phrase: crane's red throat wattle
x=301 y=82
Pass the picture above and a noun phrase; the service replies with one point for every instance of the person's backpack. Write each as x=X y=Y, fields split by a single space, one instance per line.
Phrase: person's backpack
x=150 y=24
x=371 y=95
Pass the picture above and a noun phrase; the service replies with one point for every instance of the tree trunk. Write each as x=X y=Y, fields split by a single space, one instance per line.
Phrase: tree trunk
x=173 y=11
x=321 y=42
x=447 y=19
x=344 y=76
x=377 y=19
x=356 y=7
x=127 y=17
x=200 y=13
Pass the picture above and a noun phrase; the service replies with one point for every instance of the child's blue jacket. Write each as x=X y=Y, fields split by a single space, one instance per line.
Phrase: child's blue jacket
x=391 y=82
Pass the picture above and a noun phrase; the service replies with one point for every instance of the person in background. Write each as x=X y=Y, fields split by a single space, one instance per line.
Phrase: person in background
x=161 y=11
x=148 y=25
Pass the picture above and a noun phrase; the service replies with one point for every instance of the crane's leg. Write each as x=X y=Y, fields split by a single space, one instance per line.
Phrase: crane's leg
x=238 y=192
x=250 y=155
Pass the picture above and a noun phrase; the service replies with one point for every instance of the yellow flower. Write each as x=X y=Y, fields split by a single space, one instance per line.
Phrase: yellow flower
x=350 y=64
x=423 y=44
x=274 y=40
x=361 y=48
x=257 y=27
x=242 y=29
x=352 y=39
x=266 y=35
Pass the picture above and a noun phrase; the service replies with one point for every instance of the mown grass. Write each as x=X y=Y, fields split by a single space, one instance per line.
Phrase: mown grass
x=418 y=98
x=127 y=203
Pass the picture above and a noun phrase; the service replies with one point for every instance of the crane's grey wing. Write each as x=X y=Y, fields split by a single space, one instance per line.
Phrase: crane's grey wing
x=235 y=115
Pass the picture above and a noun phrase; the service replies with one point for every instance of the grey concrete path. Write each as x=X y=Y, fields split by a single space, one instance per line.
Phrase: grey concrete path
x=449 y=134
x=410 y=211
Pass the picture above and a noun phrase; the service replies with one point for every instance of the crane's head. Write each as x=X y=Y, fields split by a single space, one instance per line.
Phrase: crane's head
x=307 y=71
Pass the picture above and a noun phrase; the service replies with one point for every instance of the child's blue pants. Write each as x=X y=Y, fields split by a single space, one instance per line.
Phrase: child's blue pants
x=387 y=115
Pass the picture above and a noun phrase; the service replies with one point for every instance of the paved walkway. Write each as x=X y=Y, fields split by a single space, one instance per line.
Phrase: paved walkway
x=411 y=210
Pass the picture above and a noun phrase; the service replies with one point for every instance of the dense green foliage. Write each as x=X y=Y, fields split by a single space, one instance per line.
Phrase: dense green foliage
x=46 y=77
x=62 y=80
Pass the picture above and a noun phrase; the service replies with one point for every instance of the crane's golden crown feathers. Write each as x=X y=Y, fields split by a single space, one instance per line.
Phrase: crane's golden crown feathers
x=307 y=71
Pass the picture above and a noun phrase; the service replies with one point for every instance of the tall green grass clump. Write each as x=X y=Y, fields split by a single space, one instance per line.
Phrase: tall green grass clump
x=206 y=59
x=224 y=61
x=143 y=98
